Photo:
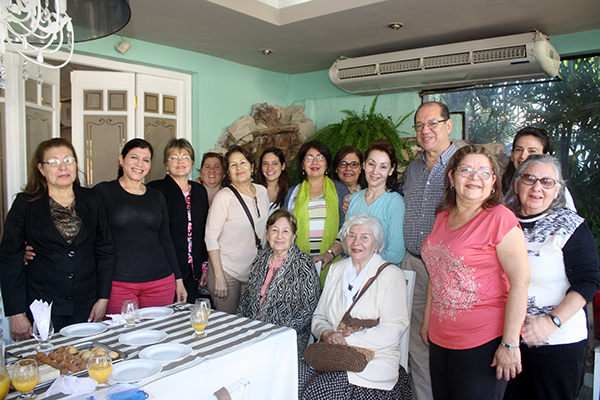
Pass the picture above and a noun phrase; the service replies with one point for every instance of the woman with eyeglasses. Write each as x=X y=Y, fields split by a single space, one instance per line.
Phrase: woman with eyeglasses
x=235 y=230
x=381 y=200
x=211 y=174
x=530 y=140
x=272 y=174
x=67 y=226
x=348 y=163
x=476 y=257
x=187 y=203
x=146 y=267
x=565 y=276
x=317 y=202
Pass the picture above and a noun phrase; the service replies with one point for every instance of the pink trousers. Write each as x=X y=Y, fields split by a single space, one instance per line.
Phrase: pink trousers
x=147 y=294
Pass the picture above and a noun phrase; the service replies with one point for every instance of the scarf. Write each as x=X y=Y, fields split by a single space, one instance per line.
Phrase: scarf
x=332 y=220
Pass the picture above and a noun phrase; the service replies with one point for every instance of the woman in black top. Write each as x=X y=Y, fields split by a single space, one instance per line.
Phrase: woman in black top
x=146 y=268
x=187 y=202
x=67 y=226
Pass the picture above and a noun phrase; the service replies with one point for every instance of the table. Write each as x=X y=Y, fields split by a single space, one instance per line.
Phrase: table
x=235 y=348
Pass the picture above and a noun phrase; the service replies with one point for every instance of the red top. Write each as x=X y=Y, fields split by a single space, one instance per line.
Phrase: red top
x=468 y=284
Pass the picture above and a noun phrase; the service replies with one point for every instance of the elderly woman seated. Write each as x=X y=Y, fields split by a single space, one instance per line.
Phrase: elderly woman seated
x=283 y=287
x=383 y=301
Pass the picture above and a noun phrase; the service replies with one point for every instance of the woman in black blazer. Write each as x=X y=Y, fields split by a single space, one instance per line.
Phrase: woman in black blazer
x=74 y=250
x=187 y=230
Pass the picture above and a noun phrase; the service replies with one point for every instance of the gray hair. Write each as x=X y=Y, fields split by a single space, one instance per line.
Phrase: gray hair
x=513 y=201
x=371 y=222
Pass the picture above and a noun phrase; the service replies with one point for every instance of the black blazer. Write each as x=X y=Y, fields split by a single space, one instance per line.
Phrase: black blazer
x=71 y=276
x=178 y=221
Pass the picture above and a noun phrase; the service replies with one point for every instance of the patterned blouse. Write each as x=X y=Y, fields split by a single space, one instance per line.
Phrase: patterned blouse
x=66 y=220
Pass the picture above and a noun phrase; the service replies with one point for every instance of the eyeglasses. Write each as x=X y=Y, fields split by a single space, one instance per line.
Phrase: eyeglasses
x=530 y=180
x=353 y=165
x=430 y=124
x=310 y=158
x=55 y=162
x=467 y=172
x=256 y=207
x=175 y=159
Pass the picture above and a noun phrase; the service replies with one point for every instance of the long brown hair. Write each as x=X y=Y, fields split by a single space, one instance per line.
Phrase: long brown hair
x=449 y=200
x=283 y=182
x=36 y=182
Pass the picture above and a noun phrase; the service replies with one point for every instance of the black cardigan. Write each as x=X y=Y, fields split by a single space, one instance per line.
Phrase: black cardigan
x=72 y=276
x=178 y=222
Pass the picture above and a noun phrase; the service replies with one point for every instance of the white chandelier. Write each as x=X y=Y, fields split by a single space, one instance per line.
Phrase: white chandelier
x=31 y=29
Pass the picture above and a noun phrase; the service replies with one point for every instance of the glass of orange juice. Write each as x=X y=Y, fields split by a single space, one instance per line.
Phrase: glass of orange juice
x=99 y=367
x=199 y=321
x=203 y=303
x=25 y=376
x=4 y=382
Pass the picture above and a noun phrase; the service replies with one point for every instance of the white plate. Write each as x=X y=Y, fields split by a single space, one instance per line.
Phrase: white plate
x=154 y=312
x=84 y=329
x=142 y=337
x=134 y=370
x=166 y=352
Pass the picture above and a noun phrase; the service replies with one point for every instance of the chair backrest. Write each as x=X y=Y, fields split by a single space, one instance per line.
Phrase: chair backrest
x=410 y=289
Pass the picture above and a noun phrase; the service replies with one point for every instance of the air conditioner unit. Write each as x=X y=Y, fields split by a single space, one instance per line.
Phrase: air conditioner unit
x=508 y=58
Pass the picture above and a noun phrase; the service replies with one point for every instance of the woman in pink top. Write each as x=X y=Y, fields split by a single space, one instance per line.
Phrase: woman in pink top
x=476 y=256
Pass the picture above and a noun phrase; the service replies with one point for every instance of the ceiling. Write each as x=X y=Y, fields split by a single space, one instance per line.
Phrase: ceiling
x=310 y=36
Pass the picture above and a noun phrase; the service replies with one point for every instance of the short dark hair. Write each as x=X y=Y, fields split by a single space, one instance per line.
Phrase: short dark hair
x=283 y=213
x=449 y=200
x=387 y=147
x=178 y=144
x=444 y=112
x=236 y=149
x=321 y=148
x=343 y=152
x=136 y=143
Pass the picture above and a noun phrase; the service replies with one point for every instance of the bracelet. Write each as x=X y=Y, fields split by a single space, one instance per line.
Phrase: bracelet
x=509 y=346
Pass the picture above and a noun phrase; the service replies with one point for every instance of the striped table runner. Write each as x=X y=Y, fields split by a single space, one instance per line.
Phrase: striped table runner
x=226 y=333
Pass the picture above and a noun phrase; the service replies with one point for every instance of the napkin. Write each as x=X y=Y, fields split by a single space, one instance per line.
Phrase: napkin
x=41 y=311
x=71 y=385
x=115 y=319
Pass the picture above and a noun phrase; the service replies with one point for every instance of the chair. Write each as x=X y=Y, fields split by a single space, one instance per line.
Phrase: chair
x=410 y=276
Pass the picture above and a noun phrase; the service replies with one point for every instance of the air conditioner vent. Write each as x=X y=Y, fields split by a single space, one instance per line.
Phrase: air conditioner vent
x=446 y=60
x=355 y=72
x=504 y=53
x=400 y=66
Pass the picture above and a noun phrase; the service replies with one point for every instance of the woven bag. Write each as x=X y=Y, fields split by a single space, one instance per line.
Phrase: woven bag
x=325 y=357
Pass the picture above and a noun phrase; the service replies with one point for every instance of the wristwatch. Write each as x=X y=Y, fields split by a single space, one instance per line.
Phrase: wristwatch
x=556 y=320
x=509 y=346
x=331 y=252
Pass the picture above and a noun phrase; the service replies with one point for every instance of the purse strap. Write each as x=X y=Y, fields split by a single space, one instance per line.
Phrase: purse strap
x=257 y=241
x=369 y=282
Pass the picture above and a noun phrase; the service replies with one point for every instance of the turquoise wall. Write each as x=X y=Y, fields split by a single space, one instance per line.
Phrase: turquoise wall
x=223 y=91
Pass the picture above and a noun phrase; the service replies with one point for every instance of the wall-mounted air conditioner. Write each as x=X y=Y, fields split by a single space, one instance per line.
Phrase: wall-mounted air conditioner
x=508 y=58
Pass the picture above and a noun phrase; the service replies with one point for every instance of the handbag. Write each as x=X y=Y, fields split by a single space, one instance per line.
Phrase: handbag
x=326 y=357
x=257 y=241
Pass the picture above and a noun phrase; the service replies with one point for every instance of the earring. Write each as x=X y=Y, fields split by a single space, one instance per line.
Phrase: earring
x=451 y=187
x=516 y=191
x=493 y=191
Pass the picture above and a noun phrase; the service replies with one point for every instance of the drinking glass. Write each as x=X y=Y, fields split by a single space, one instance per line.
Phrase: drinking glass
x=199 y=321
x=203 y=303
x=4 y=380
x=43 y=344
x=129 y=311
x=25 y=376
x=99 y=367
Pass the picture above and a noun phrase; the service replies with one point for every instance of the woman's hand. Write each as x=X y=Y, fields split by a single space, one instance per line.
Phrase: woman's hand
x=180 y=291
x=333 y=337
x=98 y=310
x=537 y=329
x=346 y=204
x=20 y=327
x=507 y=363
x=221 y=290
x=29 y=254
x=202 y=281
x=326 y=258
